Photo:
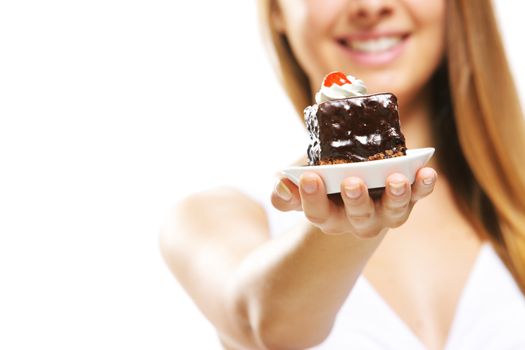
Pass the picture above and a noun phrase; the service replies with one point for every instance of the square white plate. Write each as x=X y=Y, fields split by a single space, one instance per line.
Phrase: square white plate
x=373 y=173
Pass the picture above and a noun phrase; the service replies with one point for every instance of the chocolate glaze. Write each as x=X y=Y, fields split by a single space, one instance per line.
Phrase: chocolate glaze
x=354 y=129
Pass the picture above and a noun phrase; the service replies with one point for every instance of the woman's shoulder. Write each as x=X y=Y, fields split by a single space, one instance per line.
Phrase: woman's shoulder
x=221 y=200
x=224 y=212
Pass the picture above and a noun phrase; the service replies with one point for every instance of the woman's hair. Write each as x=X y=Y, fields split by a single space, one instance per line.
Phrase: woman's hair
x=478 y=126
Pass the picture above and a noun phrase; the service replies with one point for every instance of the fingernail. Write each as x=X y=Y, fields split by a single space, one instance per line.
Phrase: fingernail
x=309 y=185
x=353 y=191
x=397 y=188
x=428 y=180
x=283 y=191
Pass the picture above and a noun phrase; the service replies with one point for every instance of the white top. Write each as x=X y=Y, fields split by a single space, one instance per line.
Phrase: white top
x=490 y=313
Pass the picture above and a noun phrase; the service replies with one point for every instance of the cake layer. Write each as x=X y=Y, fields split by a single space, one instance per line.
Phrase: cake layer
x=354 y=129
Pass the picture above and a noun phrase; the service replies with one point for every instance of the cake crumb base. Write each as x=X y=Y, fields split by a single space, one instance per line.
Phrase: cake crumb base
x=381 y=155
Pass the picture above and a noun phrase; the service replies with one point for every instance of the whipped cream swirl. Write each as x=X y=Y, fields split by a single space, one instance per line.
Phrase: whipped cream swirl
x=335 y=91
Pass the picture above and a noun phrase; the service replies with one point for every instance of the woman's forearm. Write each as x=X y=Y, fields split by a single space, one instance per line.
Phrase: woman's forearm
x=260 y=293
x=292 y=287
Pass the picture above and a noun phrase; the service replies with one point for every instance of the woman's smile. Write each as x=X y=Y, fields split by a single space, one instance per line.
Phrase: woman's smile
x=392 y=45
x=373 y=49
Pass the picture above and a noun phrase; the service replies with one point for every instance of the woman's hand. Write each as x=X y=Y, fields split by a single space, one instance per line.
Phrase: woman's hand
x=359 y=214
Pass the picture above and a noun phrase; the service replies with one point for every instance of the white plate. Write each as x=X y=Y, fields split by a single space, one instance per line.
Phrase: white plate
x=373 y=173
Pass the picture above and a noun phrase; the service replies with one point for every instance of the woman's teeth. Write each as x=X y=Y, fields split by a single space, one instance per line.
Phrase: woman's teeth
x=374 y=45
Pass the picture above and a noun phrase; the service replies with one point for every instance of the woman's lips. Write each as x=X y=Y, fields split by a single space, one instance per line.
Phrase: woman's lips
x=373 y=50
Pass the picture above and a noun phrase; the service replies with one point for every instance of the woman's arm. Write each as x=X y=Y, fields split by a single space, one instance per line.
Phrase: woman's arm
x=252 y=288
x=282 y=293
x=204 y=240
x=292 y=287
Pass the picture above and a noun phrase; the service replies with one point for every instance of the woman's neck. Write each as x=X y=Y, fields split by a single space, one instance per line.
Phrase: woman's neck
x=415 y=120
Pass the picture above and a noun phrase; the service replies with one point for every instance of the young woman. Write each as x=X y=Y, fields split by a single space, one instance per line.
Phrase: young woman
x=387 y=273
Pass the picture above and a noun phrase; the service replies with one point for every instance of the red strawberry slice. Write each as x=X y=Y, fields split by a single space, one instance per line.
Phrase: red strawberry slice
x=338 y=78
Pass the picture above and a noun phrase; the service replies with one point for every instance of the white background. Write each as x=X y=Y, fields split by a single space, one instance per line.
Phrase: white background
x=110 y=112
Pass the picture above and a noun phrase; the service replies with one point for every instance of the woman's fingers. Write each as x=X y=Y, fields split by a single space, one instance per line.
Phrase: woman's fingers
x=424 y=184
x=316 y=206
x=285 y=196
x=361 y=214
x=395 y=203
x=359 y=207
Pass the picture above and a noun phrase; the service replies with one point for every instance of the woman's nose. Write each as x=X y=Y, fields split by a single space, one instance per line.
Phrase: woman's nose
x=369 y=12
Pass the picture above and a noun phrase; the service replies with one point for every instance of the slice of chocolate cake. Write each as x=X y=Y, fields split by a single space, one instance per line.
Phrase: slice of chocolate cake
x=353 y=129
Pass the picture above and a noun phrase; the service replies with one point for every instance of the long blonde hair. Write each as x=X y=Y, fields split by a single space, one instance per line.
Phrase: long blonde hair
x=484 y=162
